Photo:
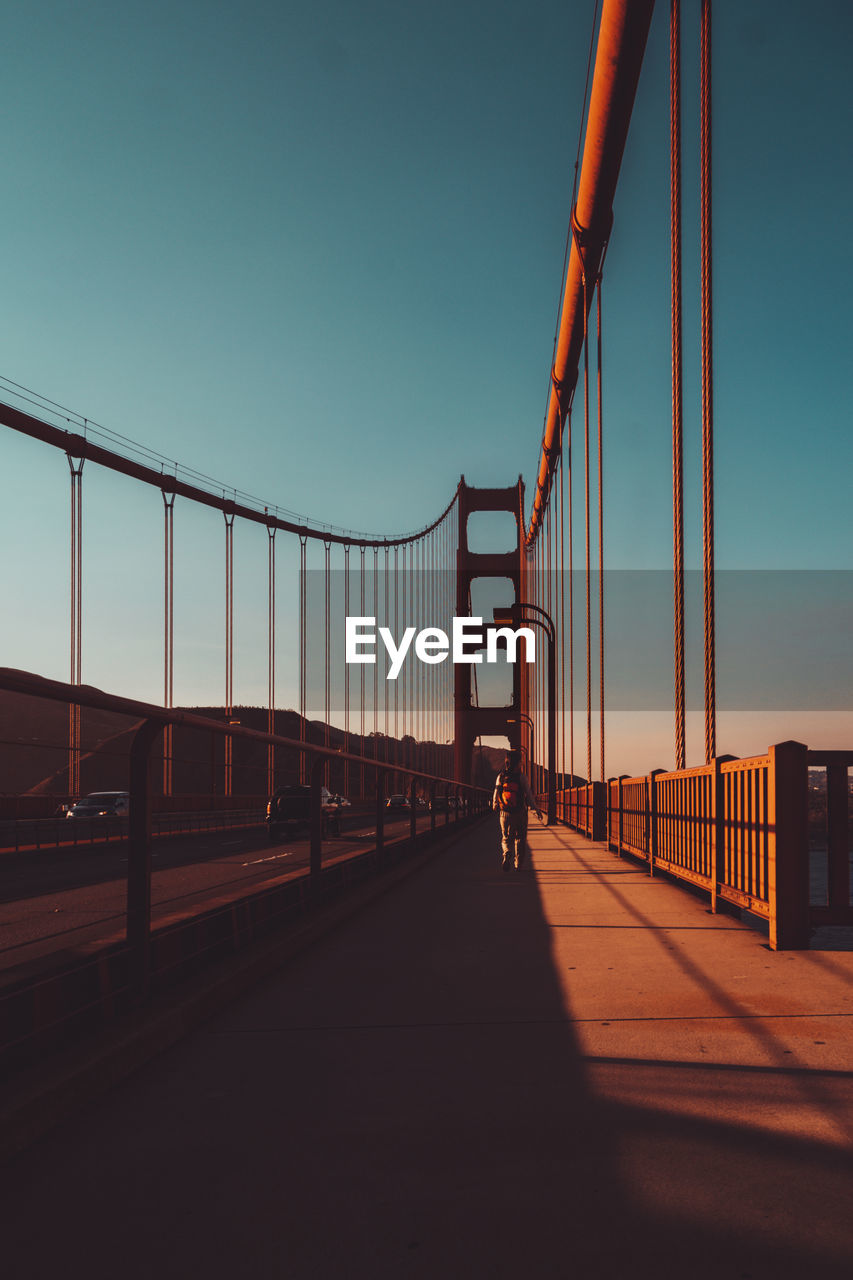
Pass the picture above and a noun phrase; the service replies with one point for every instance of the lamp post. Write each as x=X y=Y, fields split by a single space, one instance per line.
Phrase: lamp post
x=532 y=615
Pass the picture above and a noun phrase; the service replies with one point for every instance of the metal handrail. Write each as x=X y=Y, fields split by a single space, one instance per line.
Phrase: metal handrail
x=154 y=718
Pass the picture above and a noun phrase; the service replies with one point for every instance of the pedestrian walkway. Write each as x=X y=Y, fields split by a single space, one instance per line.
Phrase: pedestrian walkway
x=574 y=1070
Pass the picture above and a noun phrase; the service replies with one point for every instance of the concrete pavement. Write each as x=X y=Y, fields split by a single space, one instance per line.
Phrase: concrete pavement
x=570 y=1071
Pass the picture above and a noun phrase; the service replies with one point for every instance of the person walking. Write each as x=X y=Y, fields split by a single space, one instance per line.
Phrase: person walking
x=511 y=799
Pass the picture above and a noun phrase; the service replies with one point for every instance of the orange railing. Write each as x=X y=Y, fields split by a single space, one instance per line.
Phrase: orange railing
x=831 y=837
x=736 y=828
x=582 y=808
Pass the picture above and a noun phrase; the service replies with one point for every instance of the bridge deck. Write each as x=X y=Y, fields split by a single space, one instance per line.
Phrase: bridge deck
x=573 y=1070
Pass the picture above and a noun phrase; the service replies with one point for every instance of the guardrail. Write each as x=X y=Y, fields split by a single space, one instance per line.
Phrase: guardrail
x=20 y=835
x=738 y=829
x=121 y=974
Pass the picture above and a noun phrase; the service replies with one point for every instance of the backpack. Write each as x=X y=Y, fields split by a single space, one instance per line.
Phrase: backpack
x=510 y=798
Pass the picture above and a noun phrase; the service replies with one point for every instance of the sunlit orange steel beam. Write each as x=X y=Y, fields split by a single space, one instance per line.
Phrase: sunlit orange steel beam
x=622 y=39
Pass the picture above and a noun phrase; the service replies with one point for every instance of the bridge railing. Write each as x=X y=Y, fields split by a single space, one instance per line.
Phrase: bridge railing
x=831 y=832
x=83 y=982
x=739 y=829
x=582 y=808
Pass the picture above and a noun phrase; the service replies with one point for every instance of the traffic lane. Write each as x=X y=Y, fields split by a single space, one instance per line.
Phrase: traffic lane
x=55 y=871
x=80 y=917
x=32 y=835
x=29 y=875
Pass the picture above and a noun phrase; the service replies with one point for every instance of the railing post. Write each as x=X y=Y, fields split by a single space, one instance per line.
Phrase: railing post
x=718 y=827
x=838 y=836
x=139 y=857
x=599 y=812
x=432 y=806
x=621 y=826
x=380 y=815
x=788 y=847
x=718 y=830
x=652 y=810
x=413 y=810
x=608 y=810
x=316 y=819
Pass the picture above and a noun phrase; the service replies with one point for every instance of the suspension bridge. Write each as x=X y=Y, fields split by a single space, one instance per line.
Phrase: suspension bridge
x=360 y=1047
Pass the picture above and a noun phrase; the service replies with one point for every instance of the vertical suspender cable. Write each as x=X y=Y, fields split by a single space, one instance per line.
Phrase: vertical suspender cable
x=403 y=678
x=303 y=654
x=451 y=609
x=571 y=608
x=562 y=624
x=375 y=612
x=707 y=390
x=555 y=568
x=677 y=420
x=433 y=672
x=361 y=680
x=229 y=645
x=168 y=631
x=76 y=655
x=546 y=602
x=540 y=708
x=387 y=615
x=271 y=532
x=586 y=508
x=327 y=650
x=420 y=734
x=447 y=670
x=600 y=532
x=549 y=583
x=446 y=667
x=540 y=576
x=397 y=681
x=534 y=706
x=428 y=621
x=541 y=603
x=430 y=671
x=347 y=747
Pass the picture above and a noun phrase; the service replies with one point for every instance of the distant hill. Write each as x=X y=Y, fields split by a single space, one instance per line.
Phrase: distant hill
x=34 y=752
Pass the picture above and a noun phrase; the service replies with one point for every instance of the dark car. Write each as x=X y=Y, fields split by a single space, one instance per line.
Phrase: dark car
x=289 y=809
x=397 y=802
x=101 y=804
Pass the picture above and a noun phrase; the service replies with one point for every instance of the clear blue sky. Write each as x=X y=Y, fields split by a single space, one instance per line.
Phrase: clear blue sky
x=315 y=252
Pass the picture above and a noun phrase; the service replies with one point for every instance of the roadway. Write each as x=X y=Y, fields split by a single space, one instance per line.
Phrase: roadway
x=74 y=898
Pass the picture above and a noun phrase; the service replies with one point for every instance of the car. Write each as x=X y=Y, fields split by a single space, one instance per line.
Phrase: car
x=397 y=802
x=289 y=808
x=101 y=804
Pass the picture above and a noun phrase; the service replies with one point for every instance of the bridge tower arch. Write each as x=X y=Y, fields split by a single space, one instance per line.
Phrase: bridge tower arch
x=472 y=721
